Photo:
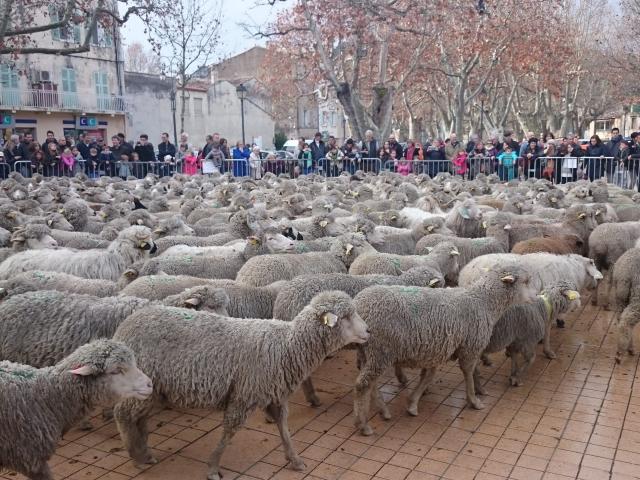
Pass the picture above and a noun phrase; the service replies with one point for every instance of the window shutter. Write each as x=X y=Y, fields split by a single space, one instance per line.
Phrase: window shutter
x=53 y=15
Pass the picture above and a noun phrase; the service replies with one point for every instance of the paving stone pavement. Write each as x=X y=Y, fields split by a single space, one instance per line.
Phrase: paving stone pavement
x=577 y=416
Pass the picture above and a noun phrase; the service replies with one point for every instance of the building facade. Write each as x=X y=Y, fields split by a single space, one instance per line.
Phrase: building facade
x=65 y=94
x=627 y=119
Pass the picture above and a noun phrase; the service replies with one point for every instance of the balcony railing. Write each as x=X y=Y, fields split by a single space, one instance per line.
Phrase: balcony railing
x=55 y=101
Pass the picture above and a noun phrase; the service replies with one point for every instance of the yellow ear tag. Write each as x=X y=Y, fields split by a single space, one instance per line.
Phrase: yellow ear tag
x=329 y=319
x=572 y=295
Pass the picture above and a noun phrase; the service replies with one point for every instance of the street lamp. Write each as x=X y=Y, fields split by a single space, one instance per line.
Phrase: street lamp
x=625 y=111
x=172 y=96
x=483 y=97
x=241 y=91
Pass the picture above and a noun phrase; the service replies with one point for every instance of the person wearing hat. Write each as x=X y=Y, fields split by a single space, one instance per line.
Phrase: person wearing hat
x=509 y=140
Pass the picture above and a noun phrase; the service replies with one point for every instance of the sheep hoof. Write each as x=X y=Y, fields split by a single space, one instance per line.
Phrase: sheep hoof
x=477 y=404
x=594 y=301
x=486 y=361
x=148 y=459
x=366 y=431
x=269 y=419
x=214 y=476
x=298 y=464
x=480 y=390
x=413 y=410
x=385 y=414
x=315 y=401
x=515 y=382
x=549 y=354
x=85 y=425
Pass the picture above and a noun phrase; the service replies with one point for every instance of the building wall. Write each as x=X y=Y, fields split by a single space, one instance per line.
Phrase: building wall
x=242 y=66
x=150 y=112
x=331 y=119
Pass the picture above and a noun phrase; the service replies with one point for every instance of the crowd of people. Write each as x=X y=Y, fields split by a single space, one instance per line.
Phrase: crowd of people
x=558 y=160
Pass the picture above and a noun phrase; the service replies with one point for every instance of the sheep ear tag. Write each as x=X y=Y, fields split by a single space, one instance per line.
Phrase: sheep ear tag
x=192 y=302
x=329 y=319
x=82 y=371
x=464 y=213
x=572 y=295
x=253 y=240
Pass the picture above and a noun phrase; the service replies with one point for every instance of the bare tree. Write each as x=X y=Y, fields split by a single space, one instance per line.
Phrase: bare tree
x=187 y=39
x=24 y=21
x=139 y=59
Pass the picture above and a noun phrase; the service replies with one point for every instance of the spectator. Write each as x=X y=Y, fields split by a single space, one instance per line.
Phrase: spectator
x=394 y=145
x=460 y=163
x=224 y=146
x=524 y=145
x=207 y=147
x=436 y=160
x=614 y=142
x=144 y=149
x=306 y=164
x=370 y=150
x=165 y=147
x=411 y=151
x=168 y=166
x=184 y=140
x=38 y=163
x=494 y=147
x=385 y=154
x=404 y=166
x=107 y=161
x=240 y=158
x=50 y=139
x=51 y=160
x=92 y=162
x=351 y=156
x=634 y=157
x=454 y=147
x=84 y=144
x=124 y=170
x=334 y=159
x=471 y=144
x=595 y=164
x=507 y=160
x=273 y=165
x=12 y=151
x=529 y=163
x=26 y=146
x=255 y=164
x=4 y=172
x=127 y=147
x=190 y=163
x=318 y=149
x=621 y=175
x=238 y=151
x=214 y=159
x=550 y=172
x=419 y=153
x=477 y=159
x=508 y=139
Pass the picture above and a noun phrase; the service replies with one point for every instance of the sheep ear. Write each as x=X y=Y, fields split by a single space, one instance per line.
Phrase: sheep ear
x=82 y=371
x=324 y=223
x=508 y=279
x=507 y=227
x=434 y=281
x=192 y=302
x=130 y=273
x=158 y=230
x=582 y=216
x=484 y=225
x=454 y=252
x=571 y=294
x=329 y=319
x=348 y=249
x=253 y=240
x=430 y=228
x=140 y=222
x=428 y=249
x=464 y=212
x=11 y=215
x=49 y=222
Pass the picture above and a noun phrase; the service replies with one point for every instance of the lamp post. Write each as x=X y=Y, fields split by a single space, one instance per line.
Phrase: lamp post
x=483 y=97
x=172 y=97
x=625 y=111
x=241 y=91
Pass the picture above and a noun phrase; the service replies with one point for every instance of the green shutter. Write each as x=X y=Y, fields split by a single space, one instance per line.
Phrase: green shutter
x=69 y=80
x=53 y=15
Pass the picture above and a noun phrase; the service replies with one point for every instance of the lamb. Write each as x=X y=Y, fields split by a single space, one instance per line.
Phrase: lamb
x=625 y=293
x=522 y=326
x=215 y=266
x=607 y=243
x=266 y=269
x=250 y=364
x=133 y=244
x=444 y=258
x=40 y=328
x=469 y=248
x=546 y=269
x=562 y=245
x=43 y=280
x=167 y=242
x=38 y=406
x=419 y=327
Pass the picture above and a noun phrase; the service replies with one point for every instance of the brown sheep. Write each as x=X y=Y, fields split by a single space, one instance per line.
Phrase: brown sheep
x=562 y=245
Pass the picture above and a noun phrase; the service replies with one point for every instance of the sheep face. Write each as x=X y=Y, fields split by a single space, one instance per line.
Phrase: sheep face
x=139 y=237
x=335 y=311
x=593 y=273
x=519 y=282
x=46 y=241
x=276 y=242
x=58 y=222
x=114 y=367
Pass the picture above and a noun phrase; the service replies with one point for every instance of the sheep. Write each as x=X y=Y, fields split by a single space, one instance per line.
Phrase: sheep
x=419 y=327
x=5 y=236
x=53 y=220
x=38 y=406
x=469 y=248
x=249 y=364
x=207 y=265
x=157 y=287
x=133 y=244
x=265 y=269
x=545 y=268
x=273 y=242
x=79 y=240
x=522 y=326
x=607 y=243
x=43 y=280
x=167 y=242
x=39 y=328
x=401 y=241
x=32 y=237
x=173 y=226
x=562 y=245
x=465 y=220
x=77 y=212
x=443 y=257
x=11 y=217
x=625 y=294
x=628 y=213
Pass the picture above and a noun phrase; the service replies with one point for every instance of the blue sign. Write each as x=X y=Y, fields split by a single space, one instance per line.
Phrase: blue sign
x=88 y=122
x=7 y=120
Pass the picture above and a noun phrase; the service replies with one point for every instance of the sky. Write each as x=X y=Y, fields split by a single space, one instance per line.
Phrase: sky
x=233 y=37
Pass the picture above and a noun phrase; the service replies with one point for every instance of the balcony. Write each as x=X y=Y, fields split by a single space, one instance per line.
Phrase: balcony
x=52 y=100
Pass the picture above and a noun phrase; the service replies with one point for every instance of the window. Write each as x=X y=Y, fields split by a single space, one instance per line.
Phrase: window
x=604 y=125
x=305 y=118
x=186 y=105
x=197 y=107
x=101 y=35
x=9 y=82
x=101 y=81
x=67 y=33
x=333 y=119
x=69 y=89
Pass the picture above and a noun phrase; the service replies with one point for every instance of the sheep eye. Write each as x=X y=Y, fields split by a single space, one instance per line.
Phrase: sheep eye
x=118 y=371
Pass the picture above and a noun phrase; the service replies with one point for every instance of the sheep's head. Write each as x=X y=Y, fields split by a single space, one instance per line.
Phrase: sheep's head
x=334 y=311
x=349 y=246
x=139 y=238
x=58 y=222
x=33 y=236
x=468 y=210
x=423 y=276
x=113 y=366
x=517 y=282
x=447 y=257
x=173 y=226
x=203 y=297
x=560 y=298
x=434 y=225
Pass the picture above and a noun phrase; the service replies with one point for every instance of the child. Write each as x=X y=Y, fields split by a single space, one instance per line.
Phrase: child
x=67 y=162
x=460 y=163
x=107 y=161
x=190 y=163
x=123 y=170
x=403 y=167
x=92 y=163
x=307 y=159
x=507 y=161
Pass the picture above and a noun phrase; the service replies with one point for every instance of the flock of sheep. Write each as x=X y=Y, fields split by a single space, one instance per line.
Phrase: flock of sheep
x=223 y=293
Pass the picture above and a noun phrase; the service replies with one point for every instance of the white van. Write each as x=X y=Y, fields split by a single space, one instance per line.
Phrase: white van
x=291 y=146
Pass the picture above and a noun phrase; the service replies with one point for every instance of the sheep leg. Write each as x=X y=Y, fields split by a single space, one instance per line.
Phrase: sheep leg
x=42 y=473
x=280 y=413
x=547 y=342
x=529 y=355
x=379 y=402
x=234 y=417
x=401 y=376
x=426 y=375
x=477 y=381
x=468 y=365
x=310 y=393
x=625 y=334
x=131 y=419
x=514 y=364
x=486 y=361
x=362 y=396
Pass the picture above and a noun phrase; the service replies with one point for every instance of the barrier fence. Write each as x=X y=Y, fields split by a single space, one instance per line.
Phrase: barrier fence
x=556 y=169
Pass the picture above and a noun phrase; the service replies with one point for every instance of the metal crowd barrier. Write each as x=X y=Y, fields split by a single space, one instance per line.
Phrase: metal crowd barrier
x=5 y=170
